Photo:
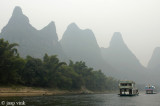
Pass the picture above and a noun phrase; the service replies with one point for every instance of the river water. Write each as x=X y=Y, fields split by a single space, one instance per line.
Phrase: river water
x=84 y=100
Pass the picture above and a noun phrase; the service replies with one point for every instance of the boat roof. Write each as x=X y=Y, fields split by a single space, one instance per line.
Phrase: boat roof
x=126 y=81
x=150 y=87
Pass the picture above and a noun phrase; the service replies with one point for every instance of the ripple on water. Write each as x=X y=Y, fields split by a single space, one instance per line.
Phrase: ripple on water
x=89 y=100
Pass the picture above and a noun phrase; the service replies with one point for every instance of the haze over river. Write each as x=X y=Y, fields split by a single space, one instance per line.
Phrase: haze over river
x=85 y=100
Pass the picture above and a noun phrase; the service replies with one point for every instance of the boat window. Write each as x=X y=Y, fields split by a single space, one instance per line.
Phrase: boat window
x=126 y=84
x=123 y=84
x=130 y=84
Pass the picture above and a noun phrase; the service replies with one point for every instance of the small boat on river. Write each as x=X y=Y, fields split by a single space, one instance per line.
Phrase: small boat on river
x=127 y=88
x=150 y=89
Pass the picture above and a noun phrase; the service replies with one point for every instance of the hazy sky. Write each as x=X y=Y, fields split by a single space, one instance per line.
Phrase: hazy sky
x=137 y=20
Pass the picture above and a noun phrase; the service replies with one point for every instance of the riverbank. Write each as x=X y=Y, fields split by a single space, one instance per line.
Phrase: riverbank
x=32 y=91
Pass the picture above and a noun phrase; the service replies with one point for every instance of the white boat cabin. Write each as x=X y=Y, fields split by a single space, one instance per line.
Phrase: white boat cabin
x=127 y=88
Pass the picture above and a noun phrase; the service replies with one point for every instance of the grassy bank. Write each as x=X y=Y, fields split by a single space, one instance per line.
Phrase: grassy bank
x=32 y=91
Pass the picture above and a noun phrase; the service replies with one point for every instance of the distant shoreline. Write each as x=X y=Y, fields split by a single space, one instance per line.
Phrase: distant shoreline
x=31 y=91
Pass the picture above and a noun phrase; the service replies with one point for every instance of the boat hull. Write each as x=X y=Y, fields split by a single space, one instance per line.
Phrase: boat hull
x=152 y=93
x=128 y=94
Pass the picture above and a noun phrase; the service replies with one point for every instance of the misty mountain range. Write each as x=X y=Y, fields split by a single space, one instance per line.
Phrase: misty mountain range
x=31 y=41
x=80 y=45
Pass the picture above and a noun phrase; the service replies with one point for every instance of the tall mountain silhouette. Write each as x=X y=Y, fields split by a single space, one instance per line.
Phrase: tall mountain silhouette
x=154 y=63
x=122 y=59
x=154 y=66
x=31 y=41
x=81 y=45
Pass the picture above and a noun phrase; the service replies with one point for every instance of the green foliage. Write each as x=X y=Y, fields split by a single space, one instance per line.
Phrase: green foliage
x=49 y=72
x=33 y=72
x=10 y=63
x=93 y=80
x=51 y=65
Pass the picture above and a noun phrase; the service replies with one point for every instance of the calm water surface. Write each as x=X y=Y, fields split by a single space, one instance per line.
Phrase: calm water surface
x=86 y=100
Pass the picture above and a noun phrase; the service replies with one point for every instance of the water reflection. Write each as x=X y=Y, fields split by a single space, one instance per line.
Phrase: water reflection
x=88 y=100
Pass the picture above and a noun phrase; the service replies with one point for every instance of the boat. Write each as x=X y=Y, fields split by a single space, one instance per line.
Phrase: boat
x=127 y=88
x=150 y=89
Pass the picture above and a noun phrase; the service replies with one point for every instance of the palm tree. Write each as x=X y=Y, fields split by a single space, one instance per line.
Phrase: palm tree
x=52 y=64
